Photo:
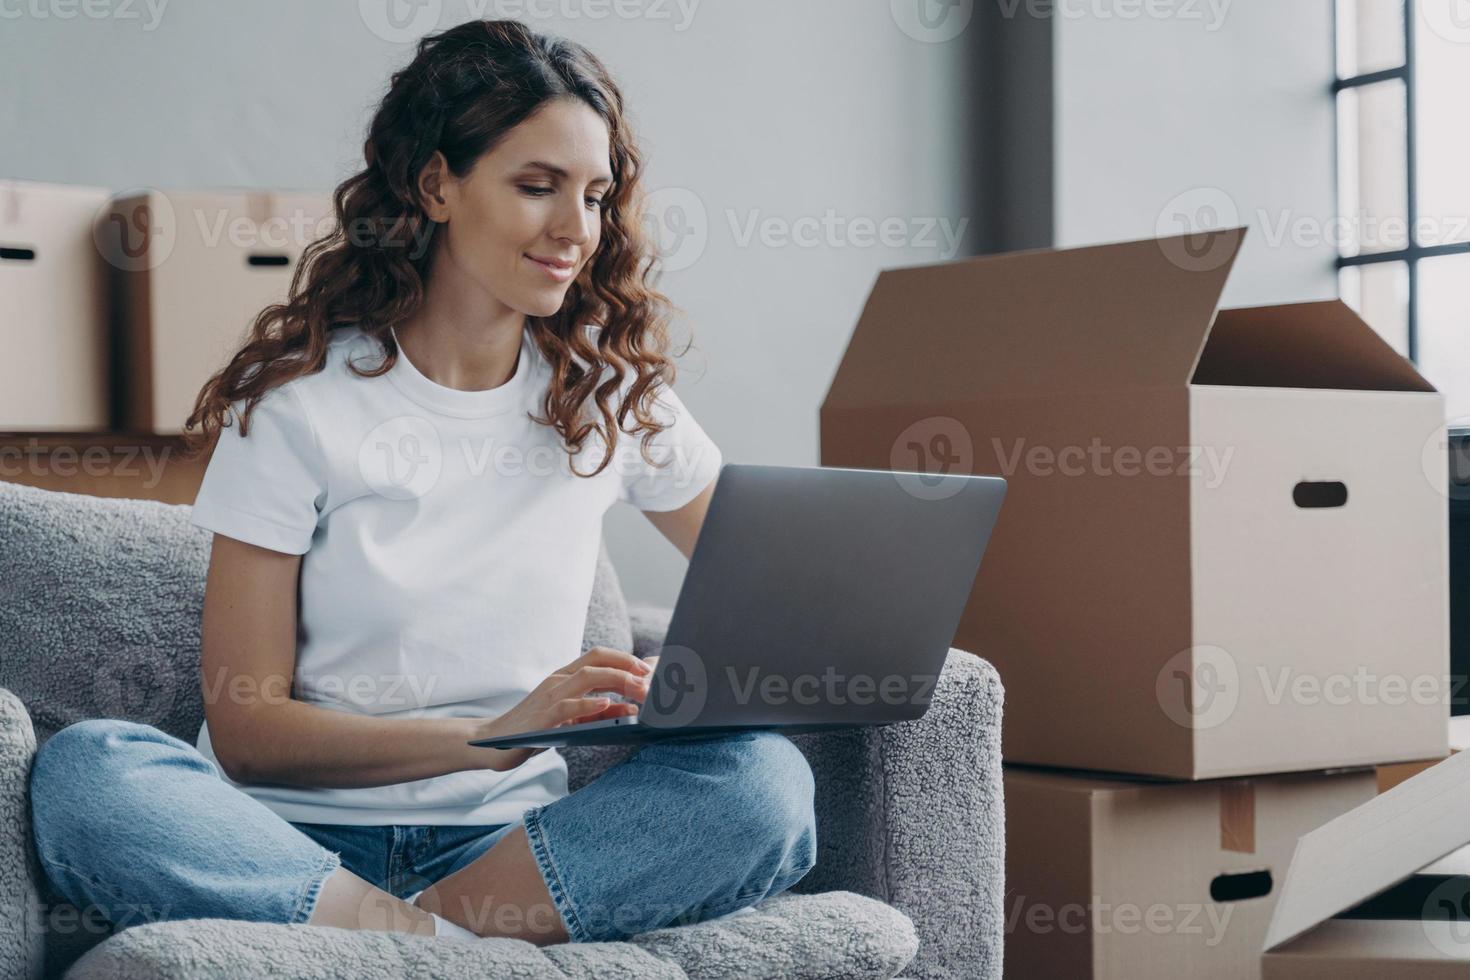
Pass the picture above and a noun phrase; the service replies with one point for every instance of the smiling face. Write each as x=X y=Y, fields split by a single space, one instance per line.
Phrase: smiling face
x=527 y=218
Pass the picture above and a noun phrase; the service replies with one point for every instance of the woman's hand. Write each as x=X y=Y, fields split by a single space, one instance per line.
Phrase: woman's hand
x=567 y=697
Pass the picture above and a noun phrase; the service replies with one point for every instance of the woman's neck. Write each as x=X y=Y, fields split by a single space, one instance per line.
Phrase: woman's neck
x=470 y=343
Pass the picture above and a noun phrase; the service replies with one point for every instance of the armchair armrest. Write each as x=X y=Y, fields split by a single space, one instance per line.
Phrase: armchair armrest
x=912 y=814
x=650 y=626
x=22 y=949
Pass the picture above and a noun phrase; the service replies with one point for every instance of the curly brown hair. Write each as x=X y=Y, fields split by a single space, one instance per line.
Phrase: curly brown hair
x=465 y=88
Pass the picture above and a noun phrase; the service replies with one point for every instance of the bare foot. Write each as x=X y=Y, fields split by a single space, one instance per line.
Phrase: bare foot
x=348 y=902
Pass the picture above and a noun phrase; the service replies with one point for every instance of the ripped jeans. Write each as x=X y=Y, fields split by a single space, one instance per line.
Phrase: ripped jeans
x=139 y=825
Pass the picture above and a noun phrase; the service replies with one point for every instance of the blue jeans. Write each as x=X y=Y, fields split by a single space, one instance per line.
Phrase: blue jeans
x=137 y=825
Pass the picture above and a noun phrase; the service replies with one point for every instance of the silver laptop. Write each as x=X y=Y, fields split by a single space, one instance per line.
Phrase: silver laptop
x=816 y=598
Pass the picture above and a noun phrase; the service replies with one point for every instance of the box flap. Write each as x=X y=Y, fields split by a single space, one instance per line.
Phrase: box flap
x=1453 y=864
x=1303 y=345
x=1126 y=315
x=1373 y=847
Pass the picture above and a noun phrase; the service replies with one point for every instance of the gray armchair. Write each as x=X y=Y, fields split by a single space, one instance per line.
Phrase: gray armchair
x=99 y=617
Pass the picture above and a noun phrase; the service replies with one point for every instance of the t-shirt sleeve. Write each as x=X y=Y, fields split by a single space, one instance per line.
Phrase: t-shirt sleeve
x=265 y=488
x=688 y=459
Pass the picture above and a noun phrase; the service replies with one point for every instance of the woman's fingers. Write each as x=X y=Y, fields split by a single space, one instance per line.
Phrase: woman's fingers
x=608 y=657
x=570 y=710
x=614 y=710
x=615 y=679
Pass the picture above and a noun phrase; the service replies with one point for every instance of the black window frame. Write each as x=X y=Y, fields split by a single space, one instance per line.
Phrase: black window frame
x=1414 y=250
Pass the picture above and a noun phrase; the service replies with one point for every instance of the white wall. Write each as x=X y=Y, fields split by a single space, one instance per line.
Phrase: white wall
x=1198 y=117
x=768 y=109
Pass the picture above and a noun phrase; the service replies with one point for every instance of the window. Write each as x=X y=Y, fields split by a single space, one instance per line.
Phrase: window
x=1403 y=68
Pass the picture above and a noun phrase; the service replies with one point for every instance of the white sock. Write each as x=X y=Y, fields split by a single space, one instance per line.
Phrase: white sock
x=443 y=927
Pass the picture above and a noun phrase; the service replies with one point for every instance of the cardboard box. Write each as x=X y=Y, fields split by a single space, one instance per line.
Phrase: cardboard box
x=53 y=377
x=191 y=271
x=1222 y=527
x=1392 y=774
x=1367 y=895
x=1125 y=878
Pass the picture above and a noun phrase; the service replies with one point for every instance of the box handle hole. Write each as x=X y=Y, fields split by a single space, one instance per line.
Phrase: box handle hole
x=1239 y=887
x=269 y=260
x=1320 y=493
x=13 y=253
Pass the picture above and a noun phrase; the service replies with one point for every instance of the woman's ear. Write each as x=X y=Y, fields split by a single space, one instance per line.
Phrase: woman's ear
x=433 y=183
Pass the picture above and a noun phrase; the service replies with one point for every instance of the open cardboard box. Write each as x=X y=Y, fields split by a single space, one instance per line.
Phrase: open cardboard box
x=1222 y=525
x=1130 y=878
x=1368 y=894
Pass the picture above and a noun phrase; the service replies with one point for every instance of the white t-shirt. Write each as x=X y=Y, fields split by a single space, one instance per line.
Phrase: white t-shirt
x=448 y=555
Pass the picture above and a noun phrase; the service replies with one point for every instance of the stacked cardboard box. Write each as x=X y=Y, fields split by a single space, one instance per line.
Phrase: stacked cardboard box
x=191 y=272
x=1382 y=891
x=1221 y=561
x=1392 y=773
x=117 y=310
x=53 y=319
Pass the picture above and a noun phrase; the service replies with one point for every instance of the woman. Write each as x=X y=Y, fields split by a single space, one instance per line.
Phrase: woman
x=407 y=520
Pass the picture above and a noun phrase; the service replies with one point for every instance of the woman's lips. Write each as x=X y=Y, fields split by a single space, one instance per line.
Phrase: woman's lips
x=556 y=272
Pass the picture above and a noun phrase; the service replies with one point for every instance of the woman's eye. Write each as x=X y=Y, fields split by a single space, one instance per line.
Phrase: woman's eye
x=595 y=202
x=535 y=190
